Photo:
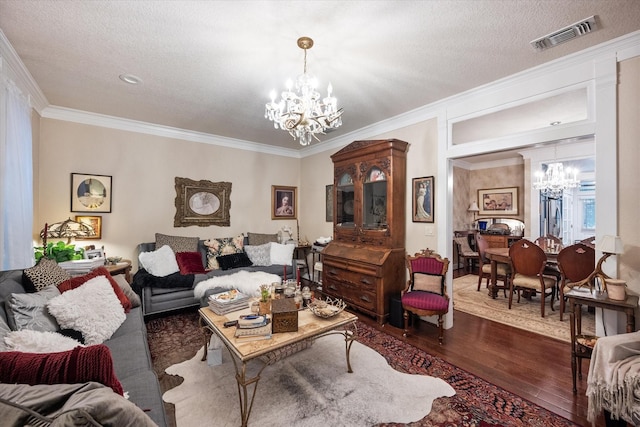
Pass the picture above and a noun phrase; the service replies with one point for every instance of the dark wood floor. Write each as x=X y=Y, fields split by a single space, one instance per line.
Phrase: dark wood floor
x=532 y=366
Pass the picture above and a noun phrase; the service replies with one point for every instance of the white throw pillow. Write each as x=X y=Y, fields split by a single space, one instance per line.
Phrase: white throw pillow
x=93 y=309
x=28 y=341
x=281 y=254
x=259 y=255
x=159 y=263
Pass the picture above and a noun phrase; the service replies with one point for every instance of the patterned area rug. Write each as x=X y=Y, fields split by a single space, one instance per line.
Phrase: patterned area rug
x=176 y=338
x=524 y=315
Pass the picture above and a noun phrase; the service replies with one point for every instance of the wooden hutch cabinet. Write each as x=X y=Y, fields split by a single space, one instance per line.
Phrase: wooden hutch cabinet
x=364 y=264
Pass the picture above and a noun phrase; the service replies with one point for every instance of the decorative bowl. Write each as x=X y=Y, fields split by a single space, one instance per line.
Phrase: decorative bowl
x=113 y=260
x=327 y=308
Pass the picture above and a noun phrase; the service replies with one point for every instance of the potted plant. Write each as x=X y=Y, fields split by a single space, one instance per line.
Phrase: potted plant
x=265 y=299
x=60 y=252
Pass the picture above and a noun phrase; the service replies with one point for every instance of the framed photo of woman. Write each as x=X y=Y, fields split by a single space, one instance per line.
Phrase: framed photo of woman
x=283 y=202
x=422 y=199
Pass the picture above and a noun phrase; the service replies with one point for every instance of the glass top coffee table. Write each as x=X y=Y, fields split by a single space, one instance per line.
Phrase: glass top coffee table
x=267 y=352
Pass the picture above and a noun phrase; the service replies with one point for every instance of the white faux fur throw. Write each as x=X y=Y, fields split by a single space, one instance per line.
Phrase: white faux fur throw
x=29 y=341
x=247 y=282
x=614 y=376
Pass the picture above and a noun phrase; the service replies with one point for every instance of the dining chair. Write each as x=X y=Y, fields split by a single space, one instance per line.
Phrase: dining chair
x=576 y=263
x=503 y=270
x=528 y=261
x=425 y=293
x=465 y=252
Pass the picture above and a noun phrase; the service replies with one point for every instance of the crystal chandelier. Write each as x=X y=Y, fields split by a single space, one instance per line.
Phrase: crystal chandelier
x=302 y=112
x=555 y=180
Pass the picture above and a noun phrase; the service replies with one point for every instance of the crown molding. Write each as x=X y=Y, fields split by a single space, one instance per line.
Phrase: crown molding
x=24 y=79
x=101 y=120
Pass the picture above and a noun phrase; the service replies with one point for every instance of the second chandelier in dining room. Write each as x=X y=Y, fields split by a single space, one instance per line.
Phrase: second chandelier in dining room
x=301 y=111
x=555 y=180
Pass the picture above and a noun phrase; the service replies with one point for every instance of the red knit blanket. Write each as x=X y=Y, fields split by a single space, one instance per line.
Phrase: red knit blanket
x=79 y=365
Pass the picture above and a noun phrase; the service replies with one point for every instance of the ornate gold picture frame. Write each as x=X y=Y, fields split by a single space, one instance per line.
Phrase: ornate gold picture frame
x=284 y=202
x=202 y=203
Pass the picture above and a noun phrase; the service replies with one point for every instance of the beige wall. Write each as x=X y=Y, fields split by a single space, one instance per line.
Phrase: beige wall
x=143 y=168
x=628 y=176
x=462 y=199
x=502 y=177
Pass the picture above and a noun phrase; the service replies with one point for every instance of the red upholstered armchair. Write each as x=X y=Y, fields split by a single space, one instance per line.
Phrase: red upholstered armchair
x=425 y=293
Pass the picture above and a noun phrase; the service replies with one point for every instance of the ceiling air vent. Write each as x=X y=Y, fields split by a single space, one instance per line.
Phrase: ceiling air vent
x=578 y=29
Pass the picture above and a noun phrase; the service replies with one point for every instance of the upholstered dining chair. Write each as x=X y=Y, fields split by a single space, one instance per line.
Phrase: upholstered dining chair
x=426 y=293
x=528 y=261
x=576 y=263
x=503 y=271
x=465 y=252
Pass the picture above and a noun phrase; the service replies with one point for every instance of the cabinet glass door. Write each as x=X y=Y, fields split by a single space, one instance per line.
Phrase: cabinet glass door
x=345 y=198
x=374 y=209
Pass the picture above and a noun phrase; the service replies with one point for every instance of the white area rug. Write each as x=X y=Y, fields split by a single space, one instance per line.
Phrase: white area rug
x=309 y=388
x=523 y=315
x=247 y=282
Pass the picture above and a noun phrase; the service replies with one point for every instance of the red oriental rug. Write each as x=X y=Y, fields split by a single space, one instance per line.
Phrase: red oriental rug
x=176 y=338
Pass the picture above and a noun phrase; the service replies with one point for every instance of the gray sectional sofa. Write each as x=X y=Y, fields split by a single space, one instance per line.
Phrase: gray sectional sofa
x=174 y=292
x=129 y=351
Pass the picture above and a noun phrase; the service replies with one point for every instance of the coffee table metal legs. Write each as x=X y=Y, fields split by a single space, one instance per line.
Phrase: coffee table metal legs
x=245 y=380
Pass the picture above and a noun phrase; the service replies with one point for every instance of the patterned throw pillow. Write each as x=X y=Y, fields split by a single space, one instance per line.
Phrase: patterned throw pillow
x=177 y=243
x=428 y=282
x=46 y=272
x=256 y=239
x=259 y=255
x=28 y=311
x=222 y=246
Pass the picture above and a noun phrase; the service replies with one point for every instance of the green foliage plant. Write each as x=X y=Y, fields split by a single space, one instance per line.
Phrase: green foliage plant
x=60 y=252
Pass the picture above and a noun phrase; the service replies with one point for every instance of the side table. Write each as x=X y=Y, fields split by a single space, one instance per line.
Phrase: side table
x=576 y=298
x=123 y=267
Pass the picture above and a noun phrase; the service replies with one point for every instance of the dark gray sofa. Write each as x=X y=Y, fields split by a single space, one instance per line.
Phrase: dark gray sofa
x=173 y=292
x=129 y=350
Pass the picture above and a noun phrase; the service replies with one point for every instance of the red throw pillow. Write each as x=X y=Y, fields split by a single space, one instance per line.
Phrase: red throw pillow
x=78 y=281
x=82 y=364
x=190 y=263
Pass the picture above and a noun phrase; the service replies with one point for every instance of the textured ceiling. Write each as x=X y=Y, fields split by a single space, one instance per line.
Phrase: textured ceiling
x=208 y=66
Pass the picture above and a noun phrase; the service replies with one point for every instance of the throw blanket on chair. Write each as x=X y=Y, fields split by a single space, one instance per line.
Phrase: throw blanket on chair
x=247 y=282
x=614 y=376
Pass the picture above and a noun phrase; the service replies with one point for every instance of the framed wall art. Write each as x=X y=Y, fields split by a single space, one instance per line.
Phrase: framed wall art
x=94 y=222
x=90 y=193
x=283 y=202
x=498 y=201
x=329 y=203
x=202 y=203
x=422 y=199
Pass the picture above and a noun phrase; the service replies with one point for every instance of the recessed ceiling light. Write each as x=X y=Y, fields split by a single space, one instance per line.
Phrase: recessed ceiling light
x=130 y=78
x=556 y=123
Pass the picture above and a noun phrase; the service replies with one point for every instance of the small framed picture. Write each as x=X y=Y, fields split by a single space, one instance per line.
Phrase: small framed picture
x=93 y=253
x=283 y=202
x=329 y=203
x=422 y=199
x=90 y=193
x=498 y=201
x=95 y=222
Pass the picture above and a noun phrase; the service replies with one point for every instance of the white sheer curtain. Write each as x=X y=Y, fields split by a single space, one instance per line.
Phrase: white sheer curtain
x=16 y=178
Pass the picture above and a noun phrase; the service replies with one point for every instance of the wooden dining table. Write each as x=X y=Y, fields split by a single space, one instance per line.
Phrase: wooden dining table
x=501 y=255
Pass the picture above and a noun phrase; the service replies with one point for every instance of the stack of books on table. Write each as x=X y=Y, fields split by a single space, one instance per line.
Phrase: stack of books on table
x=253 y=327
x=81 y=266
x=228 y=301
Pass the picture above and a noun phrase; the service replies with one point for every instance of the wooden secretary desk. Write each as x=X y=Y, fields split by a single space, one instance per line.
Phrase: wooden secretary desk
x=364 y=264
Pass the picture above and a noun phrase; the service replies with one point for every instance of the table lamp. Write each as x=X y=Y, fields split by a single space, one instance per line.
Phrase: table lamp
x=68 y=229
x=608 y=245
x=473 y=207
